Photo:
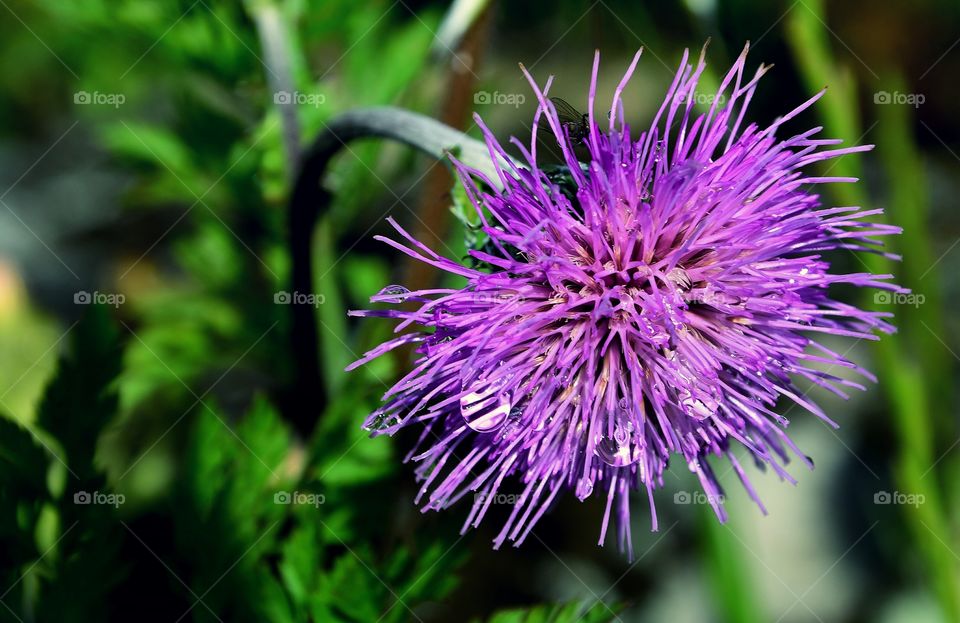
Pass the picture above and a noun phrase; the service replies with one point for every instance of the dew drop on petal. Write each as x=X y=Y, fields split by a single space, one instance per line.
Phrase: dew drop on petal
x=392 y=294
x=380 y=421
x=584 y=488
x=619 y=449
x=485 y=410
x=699 y=407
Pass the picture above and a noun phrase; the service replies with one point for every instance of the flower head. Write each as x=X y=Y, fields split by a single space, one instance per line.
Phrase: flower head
x=659 y=303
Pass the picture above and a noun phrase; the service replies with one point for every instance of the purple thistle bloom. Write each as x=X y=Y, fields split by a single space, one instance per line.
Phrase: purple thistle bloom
x=662 y=308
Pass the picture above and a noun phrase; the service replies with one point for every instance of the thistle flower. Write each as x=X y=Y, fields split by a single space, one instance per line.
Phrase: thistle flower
x=660 y=303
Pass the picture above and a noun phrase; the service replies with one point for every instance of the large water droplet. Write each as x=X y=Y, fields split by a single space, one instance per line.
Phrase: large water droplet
x=485 y=410
x=621 y=448
x=699 y=407
x=584 y=488
x=679 y=277
x=392 y=294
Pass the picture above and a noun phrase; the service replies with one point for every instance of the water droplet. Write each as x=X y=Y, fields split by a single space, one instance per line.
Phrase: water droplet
x=619 y=449
x=485 y=410
x=392 y=294
x=697 y=409
x=380 y=421
x=584 y=488
x=680 y=278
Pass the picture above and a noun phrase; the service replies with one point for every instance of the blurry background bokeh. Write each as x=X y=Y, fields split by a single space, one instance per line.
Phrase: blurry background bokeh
x=146 y=156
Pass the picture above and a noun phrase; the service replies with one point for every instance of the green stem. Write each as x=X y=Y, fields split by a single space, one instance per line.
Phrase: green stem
x=903 y=376
x=309 y=201
x=274 y=41
x=734 y=594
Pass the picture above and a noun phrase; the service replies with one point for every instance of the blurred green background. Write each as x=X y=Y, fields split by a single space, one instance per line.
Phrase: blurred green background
x=147 y=463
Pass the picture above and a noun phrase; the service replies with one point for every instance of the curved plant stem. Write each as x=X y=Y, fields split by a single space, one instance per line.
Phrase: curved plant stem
x=274 y=40
x=309 y=201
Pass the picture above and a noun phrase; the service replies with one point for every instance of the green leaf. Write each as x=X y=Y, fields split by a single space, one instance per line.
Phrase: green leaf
x=148 y=143
x=82 y=397
x=300 y=563
x=23 y=491
x=77 y=405
x=349 y=578
x=572 y=612
x=344 y=453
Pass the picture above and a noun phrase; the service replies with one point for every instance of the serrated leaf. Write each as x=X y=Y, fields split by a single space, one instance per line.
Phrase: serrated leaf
x=345 y=455
x=82 y=398
x=148 y=143
x=23 y=467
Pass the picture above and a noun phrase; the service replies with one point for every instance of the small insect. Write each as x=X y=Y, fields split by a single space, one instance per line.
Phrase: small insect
x=576 y=124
